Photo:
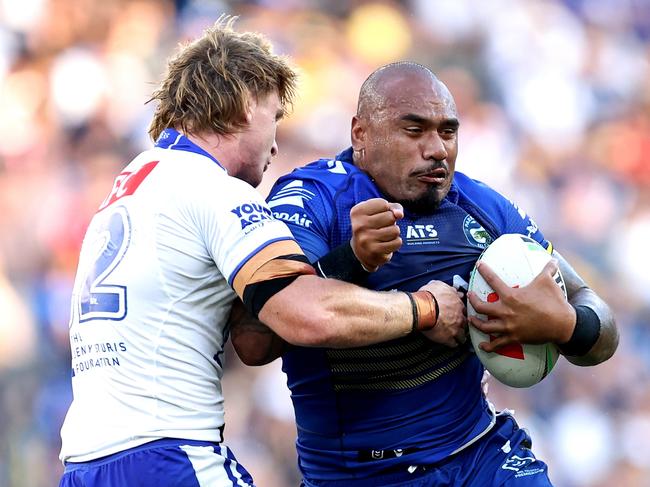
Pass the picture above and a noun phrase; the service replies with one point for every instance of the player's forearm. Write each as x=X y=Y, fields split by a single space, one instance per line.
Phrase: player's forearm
x=607 y=341
x=328 y=313
x=581 y=295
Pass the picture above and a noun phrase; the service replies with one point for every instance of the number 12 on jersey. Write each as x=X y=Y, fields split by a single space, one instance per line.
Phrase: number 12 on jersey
x=97 y=298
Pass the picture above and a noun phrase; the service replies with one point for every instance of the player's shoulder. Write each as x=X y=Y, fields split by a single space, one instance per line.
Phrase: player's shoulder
x=471 y=186
x=183 y=162
x=489 y=205
x=201 y=186
x=194 y=172
x=325 y=174
x=478 y=192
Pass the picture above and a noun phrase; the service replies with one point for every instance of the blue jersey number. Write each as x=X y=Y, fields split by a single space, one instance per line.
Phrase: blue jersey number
x=99 y=300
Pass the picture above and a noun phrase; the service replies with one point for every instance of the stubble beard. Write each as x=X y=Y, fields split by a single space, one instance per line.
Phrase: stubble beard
x=425 y=204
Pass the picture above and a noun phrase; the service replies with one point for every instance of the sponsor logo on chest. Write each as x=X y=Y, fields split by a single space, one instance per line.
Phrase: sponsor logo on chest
x=430 y=233
x=420 y=234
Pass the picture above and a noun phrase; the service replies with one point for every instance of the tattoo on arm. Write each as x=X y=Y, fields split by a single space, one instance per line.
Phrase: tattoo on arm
x=580 y=294
x=254 y=342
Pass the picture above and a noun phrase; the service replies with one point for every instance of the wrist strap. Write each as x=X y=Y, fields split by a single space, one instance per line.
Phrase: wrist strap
x=341 y=263
x=425 y=310
x=585 y=334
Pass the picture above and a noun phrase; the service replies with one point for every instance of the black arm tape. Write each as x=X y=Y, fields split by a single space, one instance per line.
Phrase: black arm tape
x=257 y=294
x=414 y=310
x=341 y=263
x=585 y=334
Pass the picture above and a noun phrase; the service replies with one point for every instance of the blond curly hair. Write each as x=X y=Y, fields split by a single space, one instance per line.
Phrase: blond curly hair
x=210 y=81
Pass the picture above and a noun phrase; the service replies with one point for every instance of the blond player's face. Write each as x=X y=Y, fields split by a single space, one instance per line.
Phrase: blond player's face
x=257 y=145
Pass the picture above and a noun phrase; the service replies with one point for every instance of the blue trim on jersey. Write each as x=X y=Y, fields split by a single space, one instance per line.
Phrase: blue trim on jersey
x=248 y=257
x=172 y=139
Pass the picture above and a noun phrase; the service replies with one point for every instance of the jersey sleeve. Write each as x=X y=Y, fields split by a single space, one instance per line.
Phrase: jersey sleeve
x=240 y=232
x=516 y=220
x=497 y=210
x=307 y=211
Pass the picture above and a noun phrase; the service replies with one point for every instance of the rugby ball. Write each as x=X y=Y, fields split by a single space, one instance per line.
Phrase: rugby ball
x=517 y=260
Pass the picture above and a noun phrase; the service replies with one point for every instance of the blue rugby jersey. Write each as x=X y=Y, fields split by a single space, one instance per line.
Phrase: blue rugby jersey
x=407 y=401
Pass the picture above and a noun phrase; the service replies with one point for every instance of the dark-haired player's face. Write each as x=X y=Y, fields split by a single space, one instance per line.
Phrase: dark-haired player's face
x=410 y=143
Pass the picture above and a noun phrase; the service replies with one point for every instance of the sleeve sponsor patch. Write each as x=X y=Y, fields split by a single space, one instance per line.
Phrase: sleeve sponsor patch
x=252 y=213
x=296 y=218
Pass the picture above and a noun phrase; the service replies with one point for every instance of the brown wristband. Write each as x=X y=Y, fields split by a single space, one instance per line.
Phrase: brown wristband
x=425 y=310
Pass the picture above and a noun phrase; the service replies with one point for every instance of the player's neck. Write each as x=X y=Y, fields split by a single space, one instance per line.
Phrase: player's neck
x=223 y=148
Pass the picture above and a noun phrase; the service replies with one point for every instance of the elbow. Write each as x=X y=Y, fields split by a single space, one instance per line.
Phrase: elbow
x=612 y=346
x=251 y=358
x=255 y=349
x=610 y=341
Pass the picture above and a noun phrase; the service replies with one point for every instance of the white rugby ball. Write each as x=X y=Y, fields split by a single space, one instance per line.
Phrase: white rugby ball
x=517 y=260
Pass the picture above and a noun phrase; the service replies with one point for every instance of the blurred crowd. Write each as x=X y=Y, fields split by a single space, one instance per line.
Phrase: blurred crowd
x=554 y=101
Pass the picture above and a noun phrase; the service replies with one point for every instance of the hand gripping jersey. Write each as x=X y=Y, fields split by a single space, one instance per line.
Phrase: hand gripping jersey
x=152 y=296
x=408 y=401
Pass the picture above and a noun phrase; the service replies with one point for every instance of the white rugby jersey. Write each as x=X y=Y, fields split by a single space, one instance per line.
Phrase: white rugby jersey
x=152 y=296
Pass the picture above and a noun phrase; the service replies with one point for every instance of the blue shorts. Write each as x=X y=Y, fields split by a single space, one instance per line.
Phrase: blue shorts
x=500 y=459
x=161 y=463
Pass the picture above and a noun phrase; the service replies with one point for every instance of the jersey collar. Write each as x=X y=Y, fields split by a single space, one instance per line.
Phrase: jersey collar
x=173 y=140
x=345 y=156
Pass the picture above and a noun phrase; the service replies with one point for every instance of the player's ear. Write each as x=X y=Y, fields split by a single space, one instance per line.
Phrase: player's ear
x=248 y=115
x=251 y=103
x=358 y=134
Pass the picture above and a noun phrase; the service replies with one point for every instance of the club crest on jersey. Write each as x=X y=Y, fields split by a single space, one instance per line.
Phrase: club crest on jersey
x=475 y=233
x=252 y=213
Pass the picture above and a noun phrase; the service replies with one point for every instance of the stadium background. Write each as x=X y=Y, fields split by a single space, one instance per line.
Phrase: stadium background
x=554 y=99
